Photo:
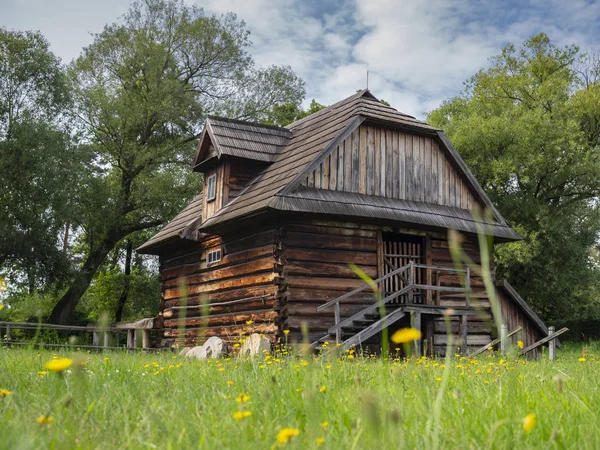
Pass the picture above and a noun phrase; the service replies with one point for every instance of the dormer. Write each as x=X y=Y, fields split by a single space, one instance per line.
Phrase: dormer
x=231 y=153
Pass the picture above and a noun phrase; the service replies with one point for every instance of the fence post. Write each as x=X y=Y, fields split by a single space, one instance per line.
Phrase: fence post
x=464 y=333
x=337 y=320
x=95 y=339
x=130 y=339
x=106 y=342
x=552 y=344
x=415 y=318
x=145 y=338
x=503 y=338
x=7 y=335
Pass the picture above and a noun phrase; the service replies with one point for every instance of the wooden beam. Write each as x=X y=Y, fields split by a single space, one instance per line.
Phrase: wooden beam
x=494 y=342
x=543 y=341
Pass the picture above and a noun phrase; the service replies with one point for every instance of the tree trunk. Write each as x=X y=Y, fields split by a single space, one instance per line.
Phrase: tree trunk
x=66 y=305
x=125 y=293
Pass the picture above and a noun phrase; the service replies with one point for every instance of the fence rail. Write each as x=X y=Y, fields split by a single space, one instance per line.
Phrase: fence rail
x=103 y=338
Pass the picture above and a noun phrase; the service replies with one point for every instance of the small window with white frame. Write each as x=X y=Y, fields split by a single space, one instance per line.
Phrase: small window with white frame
x=214 y=256
x=211 y=188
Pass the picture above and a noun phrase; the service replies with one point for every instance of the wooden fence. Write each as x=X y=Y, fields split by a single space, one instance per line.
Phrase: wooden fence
x=103 y=338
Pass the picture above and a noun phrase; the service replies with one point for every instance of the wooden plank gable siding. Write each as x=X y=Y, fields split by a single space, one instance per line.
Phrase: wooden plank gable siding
x=393 y=164
x=248 y=270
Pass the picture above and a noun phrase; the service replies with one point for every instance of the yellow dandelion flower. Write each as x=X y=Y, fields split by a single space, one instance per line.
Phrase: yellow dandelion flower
x=239 y=415
x=520 y=344
x=324 y=424
x=582 y=359
x=42 y=373
x=242 y=398
x=44 y=420
x=438 y=379
x=286 y=332
x=249 y=322
x=406 y=335
x=1 y=306
x=529 y=422
x=58 y=365
x=5 y=392
x=320 y=441
x=286 y=434
x=229 y=383
x=322 y=389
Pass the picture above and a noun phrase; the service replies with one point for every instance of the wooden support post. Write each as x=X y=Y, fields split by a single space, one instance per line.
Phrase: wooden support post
x=338 y=331
x=106 y=342
x=7 y=336
x=95 y=339
x=438 y=293
x=552 y=344
x=468 y=286
x=146 y=338
x=464 y=332
x=411 y=280
x=503 y=338
x=130 y=339
x=415 y=319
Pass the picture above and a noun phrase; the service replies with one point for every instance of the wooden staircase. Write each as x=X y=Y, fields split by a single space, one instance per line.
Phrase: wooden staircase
x=374 y=318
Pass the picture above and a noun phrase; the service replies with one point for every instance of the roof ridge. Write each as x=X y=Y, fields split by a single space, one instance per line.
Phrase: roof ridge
x=330 y=108
x=248 y=122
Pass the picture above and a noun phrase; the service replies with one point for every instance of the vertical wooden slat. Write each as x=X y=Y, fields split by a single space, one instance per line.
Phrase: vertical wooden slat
x=362 y=188
x=378 y=161
x=395 y=165
x=409 y=167
x=389 y=164
x=348 y=162
x=370 y=172
x=428 y=271
x=402 y=165
x=333 y=169
x=318 y=176
x=340 y=165
x=326 y=168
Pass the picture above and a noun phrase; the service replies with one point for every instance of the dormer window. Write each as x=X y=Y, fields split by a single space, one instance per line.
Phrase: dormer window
x=211 y=192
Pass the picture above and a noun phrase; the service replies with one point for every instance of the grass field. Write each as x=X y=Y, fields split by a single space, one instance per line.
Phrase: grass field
x=121 y=400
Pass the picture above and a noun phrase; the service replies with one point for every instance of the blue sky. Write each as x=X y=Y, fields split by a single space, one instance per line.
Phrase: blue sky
x=417 y=52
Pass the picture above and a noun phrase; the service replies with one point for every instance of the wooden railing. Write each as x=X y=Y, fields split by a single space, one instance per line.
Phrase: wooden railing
x=408 y=289
x=102 y=337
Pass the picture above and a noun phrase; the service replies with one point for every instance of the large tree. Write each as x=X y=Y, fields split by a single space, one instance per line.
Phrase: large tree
x=529 y=128
x=142 y=91
x=38 y=166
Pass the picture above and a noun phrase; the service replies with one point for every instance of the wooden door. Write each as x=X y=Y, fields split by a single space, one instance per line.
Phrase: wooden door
x=397 y=251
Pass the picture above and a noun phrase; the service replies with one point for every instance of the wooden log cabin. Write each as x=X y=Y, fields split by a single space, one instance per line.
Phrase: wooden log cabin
x=284 y=211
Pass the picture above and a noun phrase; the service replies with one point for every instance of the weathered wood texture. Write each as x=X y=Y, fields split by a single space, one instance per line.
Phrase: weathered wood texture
x=393 y=164
x=317 y=255
x=514 y=317
x=199 y=301
x=478 y=327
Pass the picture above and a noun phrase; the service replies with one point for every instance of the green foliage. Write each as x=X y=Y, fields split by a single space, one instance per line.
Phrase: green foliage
x=108 y=285
x=528 y=127
x=283 y=115
x=141 y=91
x=39 y=167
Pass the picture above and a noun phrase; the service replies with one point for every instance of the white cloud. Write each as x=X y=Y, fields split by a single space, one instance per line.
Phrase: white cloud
x=416 y=52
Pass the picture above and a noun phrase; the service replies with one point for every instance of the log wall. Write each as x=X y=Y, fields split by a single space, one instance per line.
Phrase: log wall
x=216 y=297
x=317 y=255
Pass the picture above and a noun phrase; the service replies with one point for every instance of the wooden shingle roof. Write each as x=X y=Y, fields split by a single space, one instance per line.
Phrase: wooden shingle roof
x=244 y=139
x=295 y=150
